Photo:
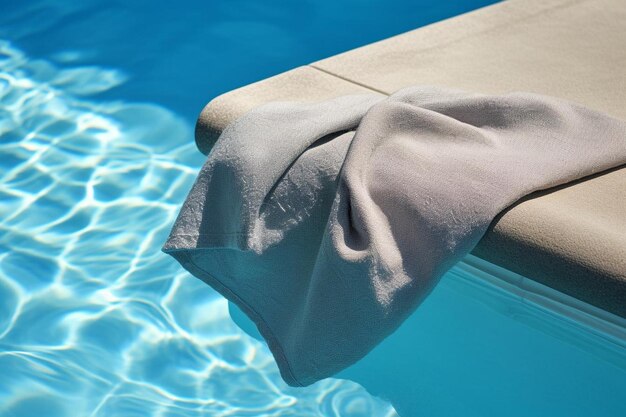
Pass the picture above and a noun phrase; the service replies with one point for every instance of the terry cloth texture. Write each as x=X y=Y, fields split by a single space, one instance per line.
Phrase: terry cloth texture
x=329 y=223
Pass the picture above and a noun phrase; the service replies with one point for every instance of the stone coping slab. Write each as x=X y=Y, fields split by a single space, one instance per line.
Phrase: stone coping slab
x=572 y=238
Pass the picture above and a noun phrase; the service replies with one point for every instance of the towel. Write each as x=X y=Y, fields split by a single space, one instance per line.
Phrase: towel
x=329 y=223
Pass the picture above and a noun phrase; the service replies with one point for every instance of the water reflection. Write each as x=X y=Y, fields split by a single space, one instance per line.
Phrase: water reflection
x=94 y=319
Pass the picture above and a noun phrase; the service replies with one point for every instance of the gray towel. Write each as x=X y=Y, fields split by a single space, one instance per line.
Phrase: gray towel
x=329 y=223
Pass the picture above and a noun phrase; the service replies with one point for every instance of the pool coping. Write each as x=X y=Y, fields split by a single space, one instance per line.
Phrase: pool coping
x=571 y=238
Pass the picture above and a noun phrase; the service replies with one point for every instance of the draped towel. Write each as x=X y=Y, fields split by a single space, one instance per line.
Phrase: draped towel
x=329 y=223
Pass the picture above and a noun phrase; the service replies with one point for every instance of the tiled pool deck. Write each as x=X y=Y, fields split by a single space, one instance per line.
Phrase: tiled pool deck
x=572 y=238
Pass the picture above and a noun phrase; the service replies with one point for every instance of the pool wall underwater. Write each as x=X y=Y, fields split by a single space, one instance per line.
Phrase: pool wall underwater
x=97 y=105
x=487 y=342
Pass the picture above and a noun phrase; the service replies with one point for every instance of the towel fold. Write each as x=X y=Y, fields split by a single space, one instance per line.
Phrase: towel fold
x=329 y=223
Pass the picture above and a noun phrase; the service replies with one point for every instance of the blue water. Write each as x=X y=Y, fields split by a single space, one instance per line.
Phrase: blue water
x=97 y=105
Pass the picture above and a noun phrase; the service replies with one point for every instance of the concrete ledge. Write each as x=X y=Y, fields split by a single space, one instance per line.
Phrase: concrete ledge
x=572 y=238
x=300 y=84
x=572 y=49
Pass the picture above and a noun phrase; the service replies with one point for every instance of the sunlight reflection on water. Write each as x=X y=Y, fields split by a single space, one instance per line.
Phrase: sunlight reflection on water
x=94 y=319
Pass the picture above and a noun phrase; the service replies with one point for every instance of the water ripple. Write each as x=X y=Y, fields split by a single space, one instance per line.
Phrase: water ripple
x=95 y=320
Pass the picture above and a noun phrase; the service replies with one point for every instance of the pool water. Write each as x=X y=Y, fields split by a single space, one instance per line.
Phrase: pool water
x=97 y=105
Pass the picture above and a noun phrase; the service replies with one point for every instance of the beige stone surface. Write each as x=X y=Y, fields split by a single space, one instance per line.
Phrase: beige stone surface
x=299 y=84
x=574 y=49
x=572 y=238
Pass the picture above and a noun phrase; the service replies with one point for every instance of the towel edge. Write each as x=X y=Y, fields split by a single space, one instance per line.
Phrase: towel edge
x=183 y=257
